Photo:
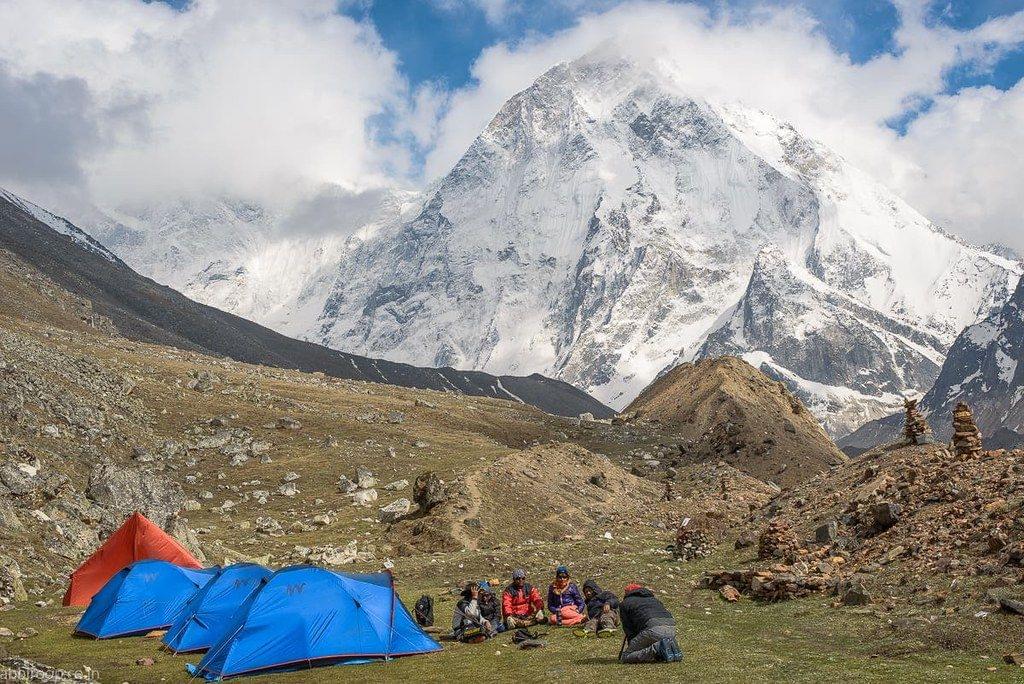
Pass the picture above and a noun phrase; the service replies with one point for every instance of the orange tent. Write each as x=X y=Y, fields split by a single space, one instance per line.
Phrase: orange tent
x=138 y=538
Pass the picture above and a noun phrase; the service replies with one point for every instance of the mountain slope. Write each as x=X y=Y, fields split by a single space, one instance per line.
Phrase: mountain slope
x=605 y=227
x=725 y=409
x=984 y=369
x=143 y=310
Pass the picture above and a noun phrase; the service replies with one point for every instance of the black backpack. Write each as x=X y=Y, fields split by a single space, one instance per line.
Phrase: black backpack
x=424 y=610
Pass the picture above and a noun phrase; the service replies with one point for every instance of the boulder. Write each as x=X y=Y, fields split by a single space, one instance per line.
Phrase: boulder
x=429 y=490
x=364 y=497
x=729 y=593
x=394 y=510
x=884 y=515
x=827 y=533
x=365 y=478
x=124 y=490
x=853 y=593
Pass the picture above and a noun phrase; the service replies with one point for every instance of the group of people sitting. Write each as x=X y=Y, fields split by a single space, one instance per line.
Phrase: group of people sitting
x=649 y=628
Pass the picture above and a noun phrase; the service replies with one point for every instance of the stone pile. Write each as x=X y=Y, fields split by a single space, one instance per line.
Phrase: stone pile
x=778 y=584
x=692 y=541
x=778 y=541
x=915 y=427
x=966 y=436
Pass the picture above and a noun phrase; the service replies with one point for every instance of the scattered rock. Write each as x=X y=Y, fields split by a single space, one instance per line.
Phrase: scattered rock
x=729 y=593
x=286 y=423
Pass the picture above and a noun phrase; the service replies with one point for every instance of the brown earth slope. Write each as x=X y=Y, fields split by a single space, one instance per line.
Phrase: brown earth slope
x=725 y=409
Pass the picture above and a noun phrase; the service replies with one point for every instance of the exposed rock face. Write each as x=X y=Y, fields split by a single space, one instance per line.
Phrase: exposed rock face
x=725 y=410
x=124 y=490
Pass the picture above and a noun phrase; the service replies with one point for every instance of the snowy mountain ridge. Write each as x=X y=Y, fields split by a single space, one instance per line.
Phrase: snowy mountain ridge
x=602 y=228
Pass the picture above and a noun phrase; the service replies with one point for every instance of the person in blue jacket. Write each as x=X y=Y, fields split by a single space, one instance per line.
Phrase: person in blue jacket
x=565 y=601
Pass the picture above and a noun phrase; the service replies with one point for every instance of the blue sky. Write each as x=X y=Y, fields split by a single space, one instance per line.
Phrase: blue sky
x=438 y=40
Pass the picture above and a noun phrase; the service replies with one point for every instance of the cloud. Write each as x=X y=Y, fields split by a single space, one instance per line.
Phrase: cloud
x=494 y=11
x=969 y=164
x=44 y=133
x=334 y=210
x=293 y=104
x=777 y=58
x=243 y=97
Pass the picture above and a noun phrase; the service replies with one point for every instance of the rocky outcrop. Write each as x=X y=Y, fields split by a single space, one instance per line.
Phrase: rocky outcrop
x=122 y=491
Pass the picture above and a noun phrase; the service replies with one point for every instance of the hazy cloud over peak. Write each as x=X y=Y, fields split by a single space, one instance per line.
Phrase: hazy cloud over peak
x=125 y=101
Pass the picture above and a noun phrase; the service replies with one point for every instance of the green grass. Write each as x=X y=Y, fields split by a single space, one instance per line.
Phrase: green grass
x=799 y=641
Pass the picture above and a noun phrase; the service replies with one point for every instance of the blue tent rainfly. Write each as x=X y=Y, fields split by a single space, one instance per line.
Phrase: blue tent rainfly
x=146 y=595
x=306 y=616
x=206 y=617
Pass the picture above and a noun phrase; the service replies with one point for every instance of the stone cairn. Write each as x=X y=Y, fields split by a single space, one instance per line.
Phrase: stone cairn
x=669 y=494
x=966 y=436
x=915 y=427
x=692 y=541
x=777 y=541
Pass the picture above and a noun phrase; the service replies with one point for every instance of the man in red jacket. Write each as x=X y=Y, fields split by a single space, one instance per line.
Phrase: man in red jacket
x=521 y=604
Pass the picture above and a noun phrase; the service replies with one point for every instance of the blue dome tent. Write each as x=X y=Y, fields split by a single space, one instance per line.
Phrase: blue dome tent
x=306 y=616
x=147 y=595
x=204 y=620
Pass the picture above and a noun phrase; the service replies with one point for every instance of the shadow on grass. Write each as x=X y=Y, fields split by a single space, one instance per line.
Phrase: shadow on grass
x=608 y=660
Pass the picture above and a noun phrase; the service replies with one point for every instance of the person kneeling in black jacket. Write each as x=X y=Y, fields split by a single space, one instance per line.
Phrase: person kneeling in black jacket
x=650 y=629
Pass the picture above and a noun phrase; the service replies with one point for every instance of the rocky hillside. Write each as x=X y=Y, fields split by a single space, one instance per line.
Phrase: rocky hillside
x=603 y=227
x=143 y=310
x=724 y=409
x=984 y=369
x=916 y=530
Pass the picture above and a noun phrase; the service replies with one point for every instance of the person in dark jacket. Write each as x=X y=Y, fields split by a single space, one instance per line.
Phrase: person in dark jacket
x=602 y=610
x=649 y=628
x=490 y=608
x=467 y=623
x=565 y=601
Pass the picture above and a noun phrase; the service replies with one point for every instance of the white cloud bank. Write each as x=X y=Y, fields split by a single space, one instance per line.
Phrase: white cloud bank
x=247 y=97
x=266 y=99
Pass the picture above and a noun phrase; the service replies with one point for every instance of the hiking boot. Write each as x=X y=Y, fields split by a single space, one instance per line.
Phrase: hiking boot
x=668 y=650
x=581 y=633
x=605 y=633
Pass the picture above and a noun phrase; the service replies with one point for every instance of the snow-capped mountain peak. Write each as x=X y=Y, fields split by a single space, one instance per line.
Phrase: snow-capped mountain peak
x=605 y=226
